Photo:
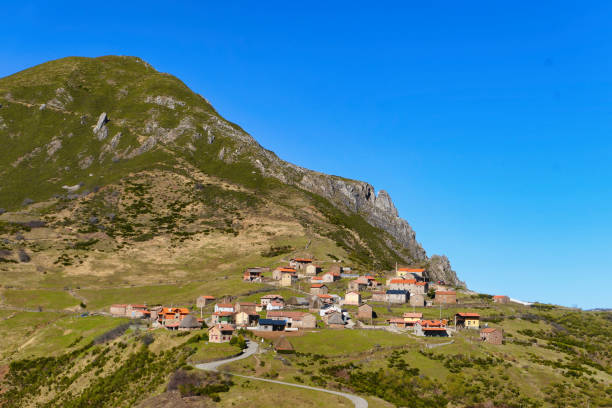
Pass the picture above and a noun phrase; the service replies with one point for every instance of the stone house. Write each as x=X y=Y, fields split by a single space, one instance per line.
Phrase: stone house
x=246 y=319
x=118 y=310
x=288 y=278
x=410 y=273
x=492 y=335
x=330 y=277
x=397 y=296
x=275 y=305
x=400 y=283
x=418 y=288
x=248 y=307
x=352 y=298
x=357 y=285
x=379 y=296
x=501 y=299
x=138 y=311
x=220 y=333
x=313 y=269
x=294 y=319
x=253 y=275
x=318 y=289
x=365 y=312
x=277 y=274
x=467 y=320
x=445 y=297
x=300 y=263
x=264 y=300
x=204 y=300
x=334 y=320
x=398 y=322
x=417 y=300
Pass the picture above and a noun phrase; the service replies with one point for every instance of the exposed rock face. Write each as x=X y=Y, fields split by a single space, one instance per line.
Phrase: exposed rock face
x=440 y=269
x=167 y=101
x=100 y=130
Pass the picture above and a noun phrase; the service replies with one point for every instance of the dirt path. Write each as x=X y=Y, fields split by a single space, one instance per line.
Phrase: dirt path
x=252 y=349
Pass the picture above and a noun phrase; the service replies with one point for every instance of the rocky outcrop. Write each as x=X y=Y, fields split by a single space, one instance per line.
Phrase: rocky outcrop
x=439 y=269
x=101 y=130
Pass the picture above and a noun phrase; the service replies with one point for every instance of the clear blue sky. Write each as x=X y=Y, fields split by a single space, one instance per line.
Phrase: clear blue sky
x=489 y=124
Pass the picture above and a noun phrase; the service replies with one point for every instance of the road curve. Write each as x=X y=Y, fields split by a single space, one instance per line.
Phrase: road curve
x=252 y=349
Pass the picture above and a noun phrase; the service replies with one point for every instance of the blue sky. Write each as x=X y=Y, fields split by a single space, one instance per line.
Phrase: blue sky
x=489 y=125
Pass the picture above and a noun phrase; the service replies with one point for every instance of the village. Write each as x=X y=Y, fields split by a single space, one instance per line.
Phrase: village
x=337 y=299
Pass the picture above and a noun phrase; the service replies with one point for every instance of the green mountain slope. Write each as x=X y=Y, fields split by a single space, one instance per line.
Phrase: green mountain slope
x=76 y=130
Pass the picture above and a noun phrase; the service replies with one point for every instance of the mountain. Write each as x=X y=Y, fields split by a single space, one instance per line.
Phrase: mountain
x=110 y=147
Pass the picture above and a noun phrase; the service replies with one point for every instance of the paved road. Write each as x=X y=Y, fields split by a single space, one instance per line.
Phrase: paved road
x=252 y=349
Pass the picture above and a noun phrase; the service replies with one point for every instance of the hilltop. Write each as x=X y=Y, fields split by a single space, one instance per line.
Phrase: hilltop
x=93 y=144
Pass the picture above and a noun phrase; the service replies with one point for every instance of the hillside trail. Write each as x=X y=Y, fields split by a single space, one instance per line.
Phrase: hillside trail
x=252 y=348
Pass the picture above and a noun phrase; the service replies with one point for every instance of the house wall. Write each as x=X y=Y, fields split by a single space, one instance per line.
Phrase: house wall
x=445 y=299
x=417 y=300
x=495 y=337
x=352 y=299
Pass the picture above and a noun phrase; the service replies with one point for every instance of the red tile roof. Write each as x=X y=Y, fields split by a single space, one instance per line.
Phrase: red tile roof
x=488 y=330
x=421 y=283
x=499 y=296
x=403 y=281
x=433 y=329
x=325 y=296
x=302 y=260
x=225 y=305
x=225 y=327
x=468 y=314
x=223 y=313
x=207 y=297
x=410 y=270
x=317 y=285
x=285 y=269
x=413 y=315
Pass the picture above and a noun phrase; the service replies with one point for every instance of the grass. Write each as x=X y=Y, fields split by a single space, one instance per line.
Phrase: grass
x=32 y=299
x=213 y=351
x=334 y=342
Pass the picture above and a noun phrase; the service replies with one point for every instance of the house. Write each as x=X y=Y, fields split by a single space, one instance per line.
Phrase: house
x=253 y=275
x=467 y=320
x=246 y=318
x=271 y=325
x=248 y=307
x=282 y=345
x=316 y=279
x=224 y=307
x=412 y=318
x=379 y=296
x=300 y=263
x=398 y=322
x=352 y=298
x=492 y=335
x=297 y=301
x=396 y=296
x=221 y=333
x=365 y=312
x=313 y=269
x=204 y=300
x=417 y=299
x=328 y=299
x=318 y=289
x=288 y=278
x=137 y=311
x=277 y=274
x=432 y=328
x=329 y=277
x=357 y=285
x=372 y=283
x=223 y=317
x=275 y=305
x=416 y=273
x=501 y=299
x=445 y=297
x=190 y=322
x=334 y=320
x=118 y=310
x=264 y=300
x=400 y=283
x=418 y=288
x=295 y=319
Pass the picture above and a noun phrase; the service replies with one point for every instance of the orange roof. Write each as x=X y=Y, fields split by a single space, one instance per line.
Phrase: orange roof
x=183 y=310
x=325 y=296
x=370 y=277
x=403 y=281
x=207 y=297
x=139 y=306
x=468 y=314
x=499 y=296
x=488 y=330
x=433 y=328
x=432 y=323
x=285 y=269
x=316 y=278
x=225 y=327
x=445 y=292
x=317 y=285
x=302 y=260
x=223 y=313
x=420 y=283
x=410 y=270
x=117 y=305
x=225 y=305
x=415 y=315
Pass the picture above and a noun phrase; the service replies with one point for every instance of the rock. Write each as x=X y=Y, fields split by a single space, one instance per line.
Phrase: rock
x=53 y=146
x=72 y=188
x=439 y=269
x=211 y=139
x=86 y=162
x=199 y=186
x=23 y=256
x=43 y=106
x=167 y=101
x=19 y=237
x=27 y=201
x=111 y=216
x=93 y=220
x=221 y=153
x=101 y=130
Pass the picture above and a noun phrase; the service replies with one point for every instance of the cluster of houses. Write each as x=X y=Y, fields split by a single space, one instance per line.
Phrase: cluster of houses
x=274 y=314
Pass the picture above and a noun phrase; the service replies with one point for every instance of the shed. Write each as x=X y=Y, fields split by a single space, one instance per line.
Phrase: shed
x=189 y=322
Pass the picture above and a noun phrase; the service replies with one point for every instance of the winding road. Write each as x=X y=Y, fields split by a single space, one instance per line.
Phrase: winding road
x=252 y=348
